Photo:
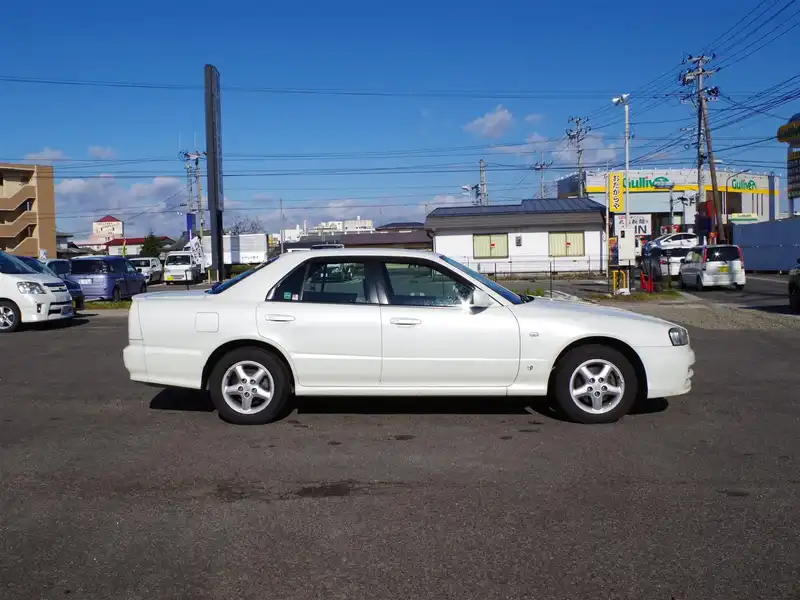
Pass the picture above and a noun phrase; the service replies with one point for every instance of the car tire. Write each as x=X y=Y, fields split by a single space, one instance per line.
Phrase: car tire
x=738 y=287
x=794 y=301
x=116 y=295
x=232 y=407
x=569 y=377
x=699 y=284
x=681 y=282
x=143 y=289
x=10 y=317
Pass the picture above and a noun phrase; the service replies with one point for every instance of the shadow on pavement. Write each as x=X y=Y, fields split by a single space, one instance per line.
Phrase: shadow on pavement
x=183 y=400
x=779 y=309
x=65 y=324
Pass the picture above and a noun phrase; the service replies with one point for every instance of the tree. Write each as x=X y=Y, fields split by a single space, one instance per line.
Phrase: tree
x=244 y=224
x=151 y=246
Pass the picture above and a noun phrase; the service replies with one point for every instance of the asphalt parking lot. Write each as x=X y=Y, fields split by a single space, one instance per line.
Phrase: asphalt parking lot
x=110 y=489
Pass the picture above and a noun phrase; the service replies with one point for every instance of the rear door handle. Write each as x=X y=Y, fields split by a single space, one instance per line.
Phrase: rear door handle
x=404 y=322
x=279 y=318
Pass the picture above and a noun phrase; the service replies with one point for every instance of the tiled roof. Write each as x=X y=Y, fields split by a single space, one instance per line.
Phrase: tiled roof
x=135 y=241
x=108 y=219
x=526 y=207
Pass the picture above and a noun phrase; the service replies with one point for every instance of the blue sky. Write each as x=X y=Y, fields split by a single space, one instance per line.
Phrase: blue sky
x=559 y=59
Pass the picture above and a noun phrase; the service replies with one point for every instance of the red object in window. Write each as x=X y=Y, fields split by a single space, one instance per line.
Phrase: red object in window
x=491 y=245
x=741 y=258
x=568 y=243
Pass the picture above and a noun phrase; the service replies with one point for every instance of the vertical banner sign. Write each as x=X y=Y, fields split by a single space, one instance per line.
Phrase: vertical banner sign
x=616 y=199
x=214 y=163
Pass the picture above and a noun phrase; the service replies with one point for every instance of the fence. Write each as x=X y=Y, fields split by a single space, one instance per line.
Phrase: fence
x=534 y=265
x=770 y=245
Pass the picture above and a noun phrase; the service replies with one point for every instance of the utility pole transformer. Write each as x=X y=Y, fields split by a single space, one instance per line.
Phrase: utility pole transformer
x=542 y=166
x=576 y=136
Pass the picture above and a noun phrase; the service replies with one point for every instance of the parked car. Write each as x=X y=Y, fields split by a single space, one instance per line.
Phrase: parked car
x=150 y=267
x=73 y=288
x=416 y=323
x=59 y=266
x=794 y=288
x=677 y=240
x=30 y=297
x=713 y=266
x=107 y=277
x=182 y=267
x=665 y=262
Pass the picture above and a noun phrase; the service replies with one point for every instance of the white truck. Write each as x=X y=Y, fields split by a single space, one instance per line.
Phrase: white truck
x=182 y=267
x=240 y=249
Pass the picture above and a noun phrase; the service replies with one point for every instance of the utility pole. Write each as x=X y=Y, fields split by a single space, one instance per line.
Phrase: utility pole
x=696 y=75
x=541 y=166
x=484 y=199
x=576 y=136
x=282 y=229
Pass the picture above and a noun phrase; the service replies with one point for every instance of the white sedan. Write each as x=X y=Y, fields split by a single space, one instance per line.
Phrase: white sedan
x=406 y=323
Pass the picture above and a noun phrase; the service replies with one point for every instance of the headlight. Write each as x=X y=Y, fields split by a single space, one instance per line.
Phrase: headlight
x=30 y=287
x=679 y=336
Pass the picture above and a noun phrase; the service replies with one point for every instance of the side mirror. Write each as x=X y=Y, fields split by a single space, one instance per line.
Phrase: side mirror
x=481 y=299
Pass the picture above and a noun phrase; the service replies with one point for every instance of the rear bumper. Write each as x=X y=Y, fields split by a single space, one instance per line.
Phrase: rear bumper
x=723 y=279
x=134 y=358
x=669 y=370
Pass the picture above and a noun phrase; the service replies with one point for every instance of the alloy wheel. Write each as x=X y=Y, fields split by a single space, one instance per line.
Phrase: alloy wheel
x=597 y=386
x=247 y=387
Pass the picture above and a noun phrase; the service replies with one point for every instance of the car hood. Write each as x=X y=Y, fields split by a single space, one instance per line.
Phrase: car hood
x=37 y=277
x=586 y=319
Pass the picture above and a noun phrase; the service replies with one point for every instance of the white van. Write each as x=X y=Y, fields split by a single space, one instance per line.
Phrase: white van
x=150 y=267
x=30 y=297
x=182 y=267
x=711 y=266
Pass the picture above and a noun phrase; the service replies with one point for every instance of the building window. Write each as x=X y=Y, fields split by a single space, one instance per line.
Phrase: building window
x=490 y=246
x=566 y=243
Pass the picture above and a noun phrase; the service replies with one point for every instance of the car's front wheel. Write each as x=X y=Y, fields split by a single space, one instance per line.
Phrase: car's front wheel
x=116 y=295
x=10 y=317
x=595 y=384
x=794 y=300
x=250 y=386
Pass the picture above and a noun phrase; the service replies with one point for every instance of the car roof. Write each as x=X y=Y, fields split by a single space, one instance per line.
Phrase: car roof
x=399 y=252
x=717 y=246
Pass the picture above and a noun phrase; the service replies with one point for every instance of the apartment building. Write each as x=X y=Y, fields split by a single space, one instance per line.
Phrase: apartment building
x=27 y=210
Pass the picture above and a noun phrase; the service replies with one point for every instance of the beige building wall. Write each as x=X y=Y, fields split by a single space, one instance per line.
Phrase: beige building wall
x=27 y=210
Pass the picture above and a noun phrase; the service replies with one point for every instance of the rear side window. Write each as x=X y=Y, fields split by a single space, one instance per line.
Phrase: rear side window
x=334 y=282
x=723 y=254
x=90 y=267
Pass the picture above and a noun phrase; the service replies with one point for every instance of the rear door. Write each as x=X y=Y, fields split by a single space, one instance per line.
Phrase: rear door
x=325 y=315
x=433 y=337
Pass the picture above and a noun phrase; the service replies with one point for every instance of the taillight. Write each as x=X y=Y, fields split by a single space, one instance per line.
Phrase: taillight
x=705 y=257
x=663 y=261
x=741 y=257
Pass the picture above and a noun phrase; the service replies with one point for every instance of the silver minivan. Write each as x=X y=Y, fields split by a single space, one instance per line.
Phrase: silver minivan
x=712 y=266
x=150 y=267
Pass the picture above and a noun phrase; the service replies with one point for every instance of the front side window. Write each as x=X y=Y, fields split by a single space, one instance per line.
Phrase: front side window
x=492 y=285
x=130 y=268
x=60 y=268
x=325 y=282
x=411 y=284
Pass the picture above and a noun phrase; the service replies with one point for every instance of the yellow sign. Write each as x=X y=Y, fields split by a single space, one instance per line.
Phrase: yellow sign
x=616 y=201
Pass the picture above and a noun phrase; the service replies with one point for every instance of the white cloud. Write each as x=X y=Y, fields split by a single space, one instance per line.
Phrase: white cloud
x=491 y=125
x=533 y=145
x=596 y=152
x=47 y=154
x=102 y=152
x=534 y=118
x=146 y=206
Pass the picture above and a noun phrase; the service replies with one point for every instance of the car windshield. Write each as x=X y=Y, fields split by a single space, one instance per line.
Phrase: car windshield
x=36 y=265
x=179 y=259
x=722 y=253
x=492 y=285
x=140 y=262
x=221 y=287
x=90 y=267
x=11 y=265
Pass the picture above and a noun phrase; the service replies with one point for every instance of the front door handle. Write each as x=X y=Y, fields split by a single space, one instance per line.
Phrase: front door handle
x=404 y=322
x=279 y=318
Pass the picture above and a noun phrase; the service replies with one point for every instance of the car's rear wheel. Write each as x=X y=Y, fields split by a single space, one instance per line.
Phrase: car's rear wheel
x=681 y=282
x=794 y=300
x=10 y=317
x=699 y=284
x=595 y=384
x=116 y=295
x=250 y=386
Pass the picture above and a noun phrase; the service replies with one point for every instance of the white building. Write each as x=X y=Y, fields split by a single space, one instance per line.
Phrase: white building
x=535 y=236
x=357 y=225
x=661 y=197
x=103 y=231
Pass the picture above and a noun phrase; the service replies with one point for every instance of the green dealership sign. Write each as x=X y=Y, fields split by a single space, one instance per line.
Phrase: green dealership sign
x=646 y=183
x=748 y=184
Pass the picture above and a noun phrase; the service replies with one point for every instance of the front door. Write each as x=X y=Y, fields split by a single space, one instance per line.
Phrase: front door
x=120 y=275
x=433 y=337
x=326 y=317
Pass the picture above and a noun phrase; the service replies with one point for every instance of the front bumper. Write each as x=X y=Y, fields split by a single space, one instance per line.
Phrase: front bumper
x=41 y=308
x=669 y=370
